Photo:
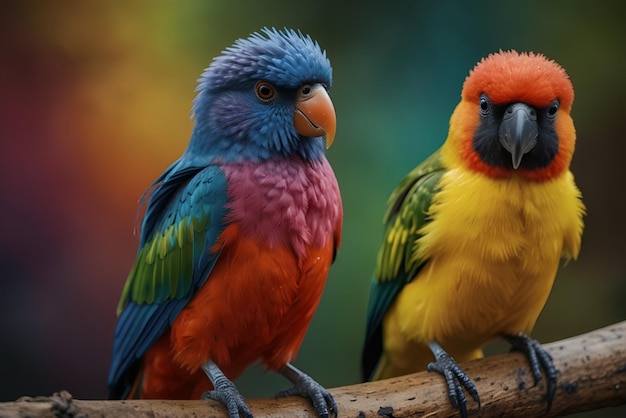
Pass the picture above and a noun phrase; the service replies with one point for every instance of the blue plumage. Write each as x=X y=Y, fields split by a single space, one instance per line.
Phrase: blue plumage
x=226 y=107
x=286 y=57
x=187 y=208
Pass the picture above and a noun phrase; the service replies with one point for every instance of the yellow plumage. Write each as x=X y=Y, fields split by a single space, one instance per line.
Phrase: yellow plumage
x=493 y=248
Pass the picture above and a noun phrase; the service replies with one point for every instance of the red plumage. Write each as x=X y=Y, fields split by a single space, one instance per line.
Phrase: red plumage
x=260 y=296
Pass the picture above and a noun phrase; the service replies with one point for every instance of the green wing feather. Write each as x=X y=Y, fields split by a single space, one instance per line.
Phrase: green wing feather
x=164 y=268
x=407 y=213
x=407 y=210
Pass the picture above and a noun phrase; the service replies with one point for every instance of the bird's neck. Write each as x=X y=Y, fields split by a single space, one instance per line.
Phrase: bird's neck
x=288 y=200
x=209 y=144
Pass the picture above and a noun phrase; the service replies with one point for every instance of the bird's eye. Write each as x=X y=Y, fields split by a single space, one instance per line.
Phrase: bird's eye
x=485 y=105
x=306 y=90
x=553 y=109
x=264 y=91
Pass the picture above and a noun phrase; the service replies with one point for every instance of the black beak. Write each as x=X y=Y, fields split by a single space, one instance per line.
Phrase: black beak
x=518 y=131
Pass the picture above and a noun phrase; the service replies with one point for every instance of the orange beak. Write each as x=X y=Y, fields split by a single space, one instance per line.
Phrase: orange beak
x=315 y=115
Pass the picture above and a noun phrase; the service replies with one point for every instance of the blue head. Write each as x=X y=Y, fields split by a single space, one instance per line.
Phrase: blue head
x=265 y=97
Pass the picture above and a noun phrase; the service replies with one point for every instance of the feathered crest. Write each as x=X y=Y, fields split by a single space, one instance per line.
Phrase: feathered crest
x=506 y=76
x=285 y=57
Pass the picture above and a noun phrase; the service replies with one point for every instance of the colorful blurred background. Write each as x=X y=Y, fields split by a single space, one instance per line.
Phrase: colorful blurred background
x=94 y=104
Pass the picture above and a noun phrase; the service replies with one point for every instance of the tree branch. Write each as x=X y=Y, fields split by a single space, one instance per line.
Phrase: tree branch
x=592 y=375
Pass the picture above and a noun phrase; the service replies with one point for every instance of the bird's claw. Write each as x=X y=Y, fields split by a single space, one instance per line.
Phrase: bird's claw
x=225 y=392
x=456 y=379
x=229 y=396
x=305 y=386
x=539 y=359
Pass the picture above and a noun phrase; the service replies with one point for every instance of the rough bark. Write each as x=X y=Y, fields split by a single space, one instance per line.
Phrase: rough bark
x=592 y=375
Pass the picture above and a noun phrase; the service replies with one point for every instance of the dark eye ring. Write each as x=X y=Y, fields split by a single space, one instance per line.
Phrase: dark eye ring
x=485 y=105
x=553 y=109
x=264 y=91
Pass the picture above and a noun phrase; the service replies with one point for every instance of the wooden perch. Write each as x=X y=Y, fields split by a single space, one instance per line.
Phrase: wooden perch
x=592 y=375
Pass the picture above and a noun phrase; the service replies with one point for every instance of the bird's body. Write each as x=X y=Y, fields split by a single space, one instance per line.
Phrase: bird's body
x=473 y=242
x=239 y=233
x=266 y=284
x=459 y=297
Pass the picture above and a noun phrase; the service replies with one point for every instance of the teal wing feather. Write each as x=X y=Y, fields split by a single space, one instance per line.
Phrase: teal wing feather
x=184 y=219
x=407 y=213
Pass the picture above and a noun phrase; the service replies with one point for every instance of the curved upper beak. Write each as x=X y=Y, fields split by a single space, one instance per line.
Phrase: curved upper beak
x=315 y=115
x=518 y=131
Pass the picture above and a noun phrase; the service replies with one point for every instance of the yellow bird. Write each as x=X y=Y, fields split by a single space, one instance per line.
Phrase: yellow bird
x=475 y=234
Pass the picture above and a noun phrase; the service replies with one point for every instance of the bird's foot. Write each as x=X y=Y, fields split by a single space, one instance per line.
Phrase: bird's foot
x=456 y=379
x=539 y=359
x=225 y=392
x=305 y=386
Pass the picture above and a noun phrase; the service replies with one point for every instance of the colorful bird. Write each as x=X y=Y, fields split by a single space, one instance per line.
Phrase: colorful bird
x=239 y=233
x=475 y=234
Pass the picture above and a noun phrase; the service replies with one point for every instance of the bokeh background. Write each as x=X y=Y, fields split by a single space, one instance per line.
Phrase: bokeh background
x=94 y=104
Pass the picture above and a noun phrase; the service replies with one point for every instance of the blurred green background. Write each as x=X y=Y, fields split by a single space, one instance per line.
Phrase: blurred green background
x=94 y=104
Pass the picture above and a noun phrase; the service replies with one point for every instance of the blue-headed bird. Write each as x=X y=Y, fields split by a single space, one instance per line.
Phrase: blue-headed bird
x=239 y=233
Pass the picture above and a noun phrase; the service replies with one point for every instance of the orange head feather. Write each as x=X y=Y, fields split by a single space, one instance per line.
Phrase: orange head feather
x=510 y=76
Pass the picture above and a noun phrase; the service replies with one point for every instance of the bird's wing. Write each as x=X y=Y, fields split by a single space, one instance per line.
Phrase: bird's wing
x=183 y=221
x=407 y=213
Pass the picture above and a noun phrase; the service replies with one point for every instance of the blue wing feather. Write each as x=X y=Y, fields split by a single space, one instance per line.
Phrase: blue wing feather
x=184 y=219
